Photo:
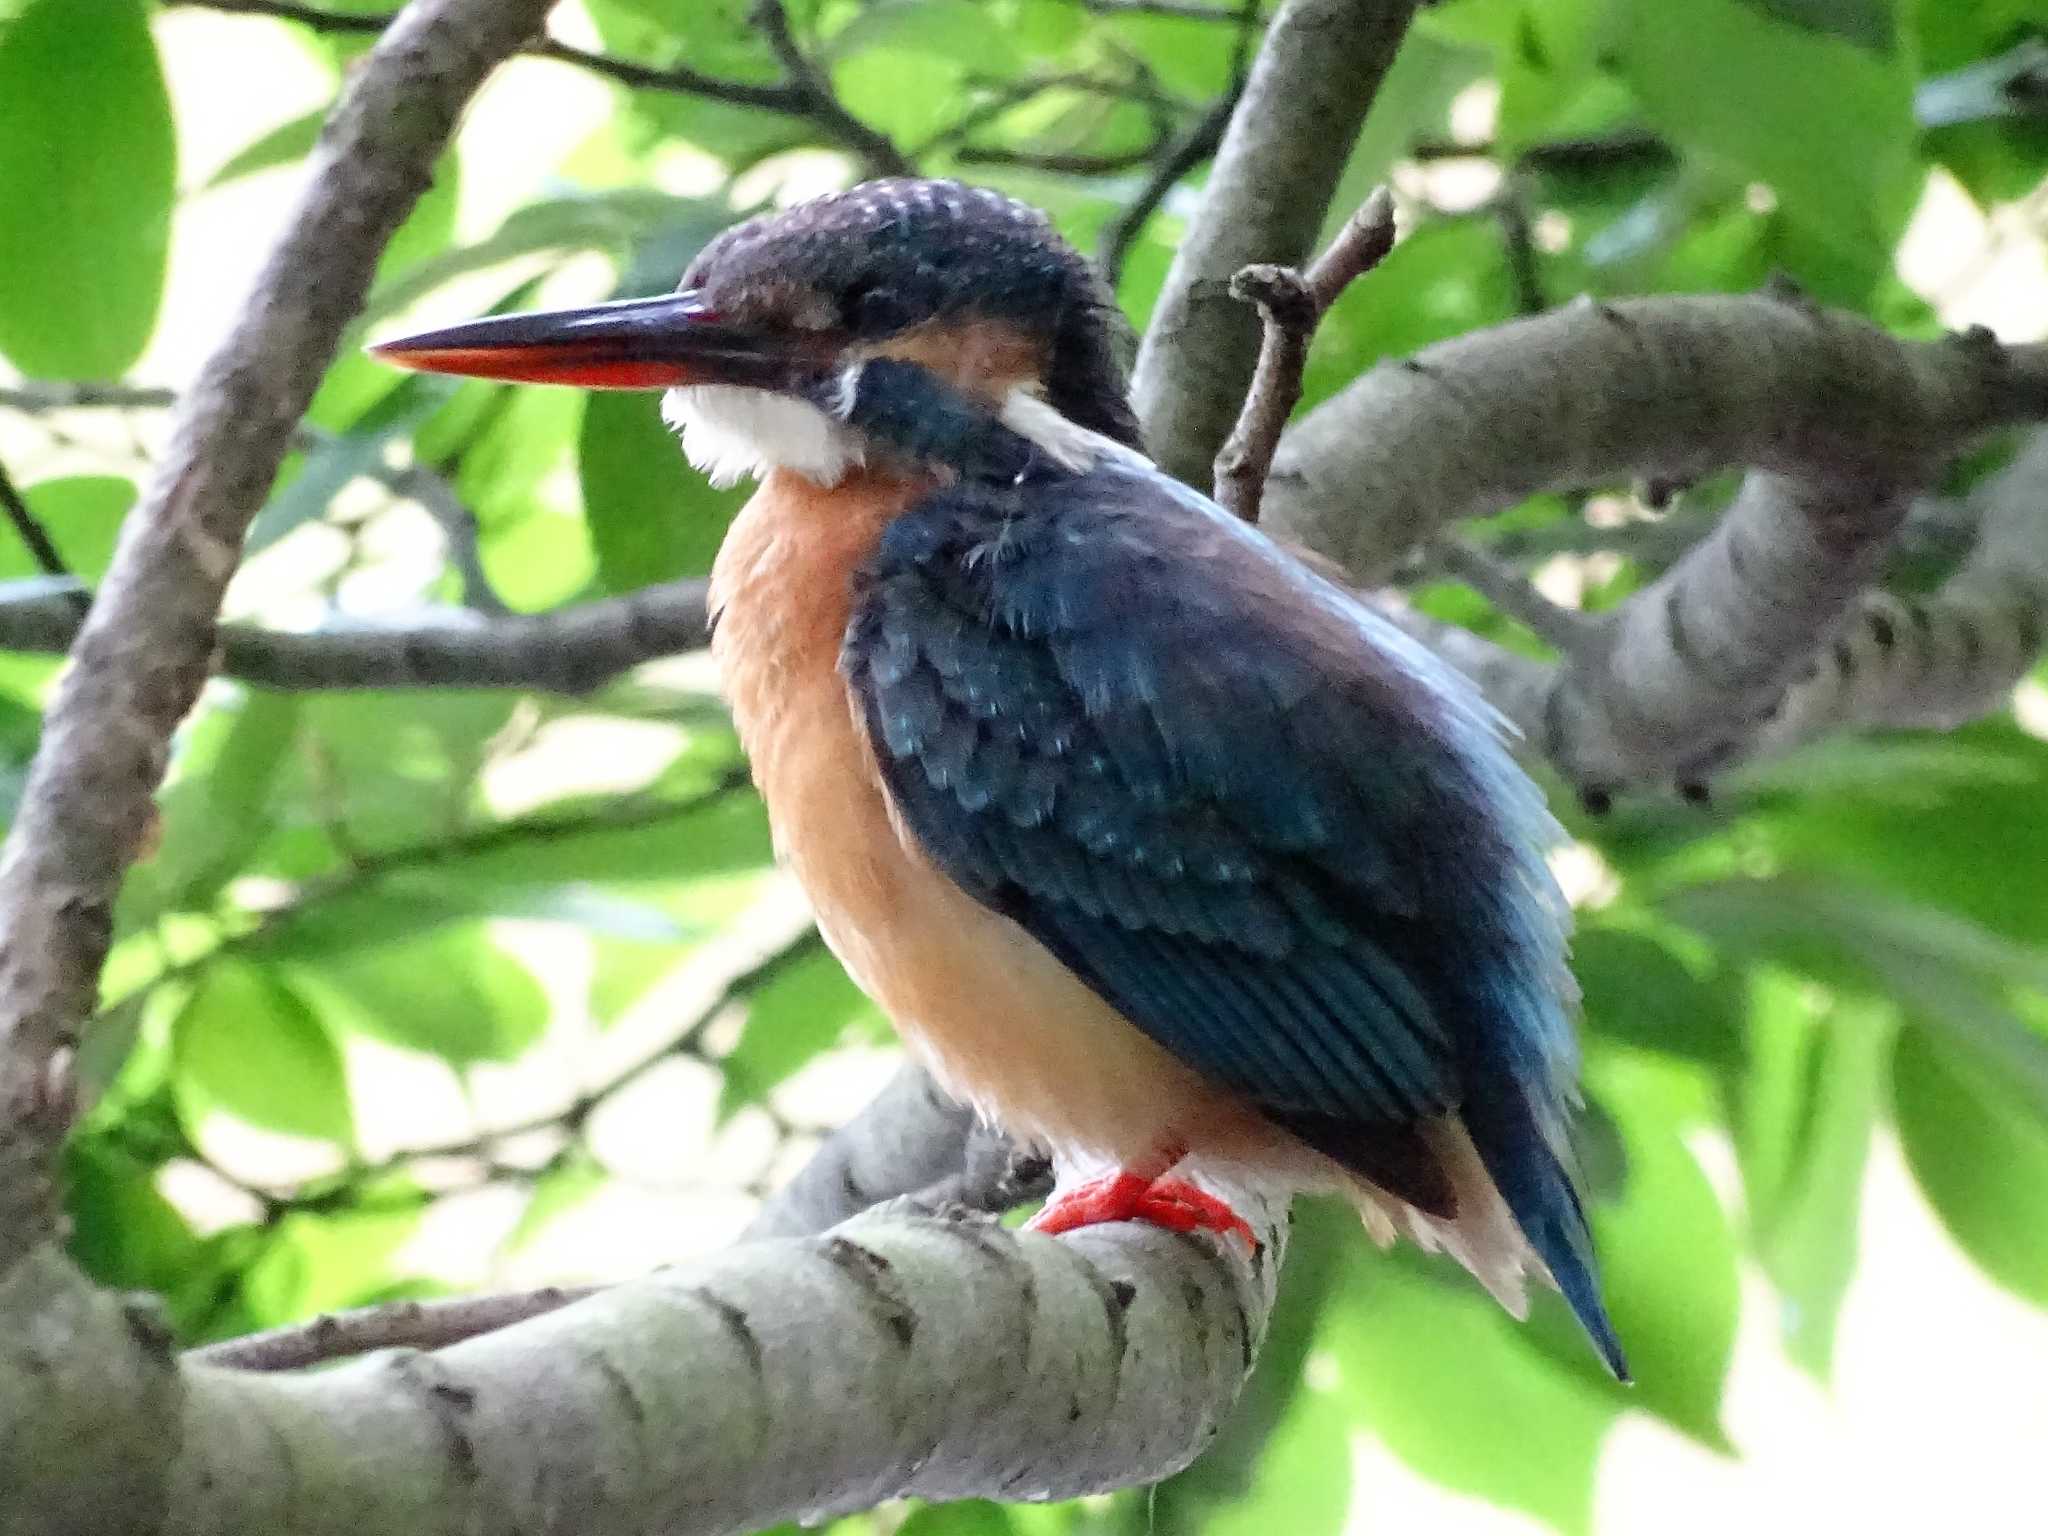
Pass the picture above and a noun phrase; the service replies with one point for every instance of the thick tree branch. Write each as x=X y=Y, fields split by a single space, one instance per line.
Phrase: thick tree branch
x=784 y=1379
x=1938 y=661
x=147 y=646
x=1673 y=683
x=1767 y=635
x=1275 y=172
x=1601 y=393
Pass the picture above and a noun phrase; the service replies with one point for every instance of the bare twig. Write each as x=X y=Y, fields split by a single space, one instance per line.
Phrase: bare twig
x=393 y=1325
x=147 y=645
x=877 y=152
x=37 y=539
x=417 y=483
x=1187 y=10
x=804 y=93
x=1565 y=628
x=1278 y=166
x=570 y=651
x=1292 y=304
x=1195 y=143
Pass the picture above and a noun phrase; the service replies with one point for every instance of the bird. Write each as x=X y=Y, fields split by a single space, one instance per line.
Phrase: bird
x=1159 y=847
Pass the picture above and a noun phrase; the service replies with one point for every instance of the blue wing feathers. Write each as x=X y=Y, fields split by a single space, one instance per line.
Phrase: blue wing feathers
x=1277 y=835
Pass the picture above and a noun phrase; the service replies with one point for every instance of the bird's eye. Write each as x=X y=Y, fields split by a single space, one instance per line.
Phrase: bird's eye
x=869 y=308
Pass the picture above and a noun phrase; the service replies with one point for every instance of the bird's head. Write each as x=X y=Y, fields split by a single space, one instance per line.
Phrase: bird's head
x=902 y=320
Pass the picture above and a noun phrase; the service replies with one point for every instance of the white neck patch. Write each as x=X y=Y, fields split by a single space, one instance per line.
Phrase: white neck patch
x=730 y=432
x=1065 y=442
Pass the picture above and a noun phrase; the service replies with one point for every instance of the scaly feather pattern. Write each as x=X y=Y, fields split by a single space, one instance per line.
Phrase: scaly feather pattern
x=1278 y=837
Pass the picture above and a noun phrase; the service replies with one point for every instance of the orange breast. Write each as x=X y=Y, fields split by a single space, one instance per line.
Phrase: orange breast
x=1000 y=1022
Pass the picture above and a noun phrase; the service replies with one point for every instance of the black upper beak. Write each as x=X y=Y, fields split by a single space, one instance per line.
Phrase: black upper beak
x=629 y=344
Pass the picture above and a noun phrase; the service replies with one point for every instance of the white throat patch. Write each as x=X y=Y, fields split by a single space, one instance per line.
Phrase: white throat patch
x=730 y=432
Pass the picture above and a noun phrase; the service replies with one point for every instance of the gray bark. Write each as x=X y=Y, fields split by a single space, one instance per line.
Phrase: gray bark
x=1275 y=172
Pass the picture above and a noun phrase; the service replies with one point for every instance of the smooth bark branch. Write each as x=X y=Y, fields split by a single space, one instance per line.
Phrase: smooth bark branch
x=147 y=646
x=783 y=1379
x=1291 y=305
x=1938 y=661
x=1275 y=172
x=1597 y=394
x=908 y=1138
x=1674 y=683
x=1766 y=636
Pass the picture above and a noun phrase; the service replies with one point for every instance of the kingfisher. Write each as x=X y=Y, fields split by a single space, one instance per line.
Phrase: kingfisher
x=1163 y=850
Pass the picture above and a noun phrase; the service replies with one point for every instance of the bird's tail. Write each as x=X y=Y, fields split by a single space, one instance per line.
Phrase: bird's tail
x=1532 y=1178
x=1516 y=1211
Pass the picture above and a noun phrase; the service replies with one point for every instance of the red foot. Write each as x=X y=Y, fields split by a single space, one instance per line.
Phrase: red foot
x=1171 y=1203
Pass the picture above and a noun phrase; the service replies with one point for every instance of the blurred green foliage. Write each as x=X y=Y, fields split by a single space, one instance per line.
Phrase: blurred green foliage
x=1854 y=939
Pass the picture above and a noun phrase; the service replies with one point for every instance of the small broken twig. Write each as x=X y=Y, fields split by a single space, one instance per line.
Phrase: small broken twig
x=1292 y=303
x=391 y=1325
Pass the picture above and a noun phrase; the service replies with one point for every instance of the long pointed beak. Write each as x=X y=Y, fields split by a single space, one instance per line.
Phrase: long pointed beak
x=629 y=344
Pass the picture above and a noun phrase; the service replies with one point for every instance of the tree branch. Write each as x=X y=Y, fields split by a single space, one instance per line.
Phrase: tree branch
x=1673 y=683
x=147 y=645
x=1291 y=305
x=570 y=651
x=394 y=1325
x=878 y=154
x=1766 y=636
x=36 y=538
x=978 y=1362
x=804 y=92
x=1601 y=393
x=1276 y=170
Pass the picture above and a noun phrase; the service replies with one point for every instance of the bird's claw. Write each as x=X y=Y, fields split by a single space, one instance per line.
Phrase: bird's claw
x=1171 y=1203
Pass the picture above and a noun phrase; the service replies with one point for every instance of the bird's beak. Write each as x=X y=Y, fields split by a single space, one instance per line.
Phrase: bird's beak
x=630 y=344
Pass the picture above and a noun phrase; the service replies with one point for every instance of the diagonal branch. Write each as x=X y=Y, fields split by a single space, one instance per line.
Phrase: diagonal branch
x=1275 y=172
x=147 y=645
x=878 y=154
x=1291 y=305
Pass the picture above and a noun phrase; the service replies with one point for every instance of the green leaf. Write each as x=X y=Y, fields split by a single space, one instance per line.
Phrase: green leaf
x=615 y=221
x=1871 y=23
x=970 y=1517
x=807 y=1006
x=1950 y=973
x=355 y=382
x=247 y=1044
x=124 y=1233
x=1980 y=1155
x=1428 y=1363
x=87 y=161
x=325 y=1263
x=559 y=1190
x=1805 y=1234
x=1667 y=1264
x=1638 y=991
x=82 y=514
x=1774 y=103
x=451 y=993
x=220 y=809
x=286 y=142
x=651 y=518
